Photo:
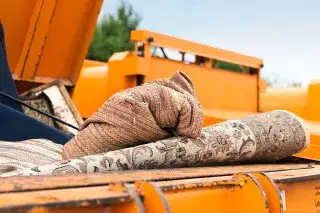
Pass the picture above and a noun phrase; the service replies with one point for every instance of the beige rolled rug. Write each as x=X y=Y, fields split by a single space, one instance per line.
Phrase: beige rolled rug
x=264 y=137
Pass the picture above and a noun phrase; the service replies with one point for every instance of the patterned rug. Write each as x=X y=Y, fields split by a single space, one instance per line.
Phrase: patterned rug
x=260 y=138
x=43 y=103
x=157 y=125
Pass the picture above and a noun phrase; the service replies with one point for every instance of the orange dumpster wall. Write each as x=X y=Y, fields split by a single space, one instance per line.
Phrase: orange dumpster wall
x=299 y=100
x=48 y=39
x=292 y=99
x=313 y=101
x=16 y=26
x=215 y=88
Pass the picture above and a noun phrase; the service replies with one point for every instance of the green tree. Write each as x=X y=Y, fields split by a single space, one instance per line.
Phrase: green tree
x=271 y=81
x=112 y=33
x=295 y=84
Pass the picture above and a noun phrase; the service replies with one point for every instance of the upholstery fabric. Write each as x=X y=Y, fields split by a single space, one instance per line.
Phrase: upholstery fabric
x=146 y=113
x=43 y=103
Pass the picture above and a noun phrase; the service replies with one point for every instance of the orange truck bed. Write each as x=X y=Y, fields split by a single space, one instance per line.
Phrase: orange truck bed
x=290 y=188
x=48 y=39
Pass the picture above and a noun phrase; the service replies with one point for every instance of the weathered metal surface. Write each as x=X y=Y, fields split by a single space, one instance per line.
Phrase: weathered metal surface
x=180 y=195
x=154 y=198
x=301 y=195
x=313 y=173
x=15 y=184
x=186 y=184
x=276 y=203
x=114 y=194
x=79 y=197
x=250 y=196
x=135 y=196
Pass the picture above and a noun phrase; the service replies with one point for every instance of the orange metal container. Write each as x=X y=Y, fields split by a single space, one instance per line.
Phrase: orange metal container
x=216 y=89
x=277 y=188
x=48 y=39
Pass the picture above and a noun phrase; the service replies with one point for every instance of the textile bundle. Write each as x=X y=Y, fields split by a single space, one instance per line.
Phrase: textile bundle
x=157 y=125
x=139 y=115
x=262 y=137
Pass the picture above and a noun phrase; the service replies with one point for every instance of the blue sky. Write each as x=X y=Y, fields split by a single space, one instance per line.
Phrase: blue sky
x=285 y=34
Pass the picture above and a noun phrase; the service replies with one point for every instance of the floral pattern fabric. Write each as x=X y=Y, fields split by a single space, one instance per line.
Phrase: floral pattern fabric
x=262 y=137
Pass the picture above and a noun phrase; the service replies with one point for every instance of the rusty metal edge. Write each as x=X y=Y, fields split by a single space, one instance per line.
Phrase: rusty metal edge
x=259 y=186
x=161 y=196
x=136 y=197
x=129 y=180
x=276 y=188
x=68 y=204
x=297 y=179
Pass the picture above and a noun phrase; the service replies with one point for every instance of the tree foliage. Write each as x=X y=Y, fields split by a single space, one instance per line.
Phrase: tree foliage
x=295 y=84
x=272 y=81
x=112 y=33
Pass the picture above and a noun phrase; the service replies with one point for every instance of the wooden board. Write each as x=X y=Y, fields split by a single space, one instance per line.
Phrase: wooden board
x=32 y=183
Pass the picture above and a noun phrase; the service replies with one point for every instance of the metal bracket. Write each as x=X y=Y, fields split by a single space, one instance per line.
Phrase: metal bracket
x=260 y=190
x=276 y=201
x=154 y=198
x=249 y=191
x=130 y=189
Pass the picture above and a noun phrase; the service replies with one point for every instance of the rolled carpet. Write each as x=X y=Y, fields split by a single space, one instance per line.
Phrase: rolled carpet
x=264 y=137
